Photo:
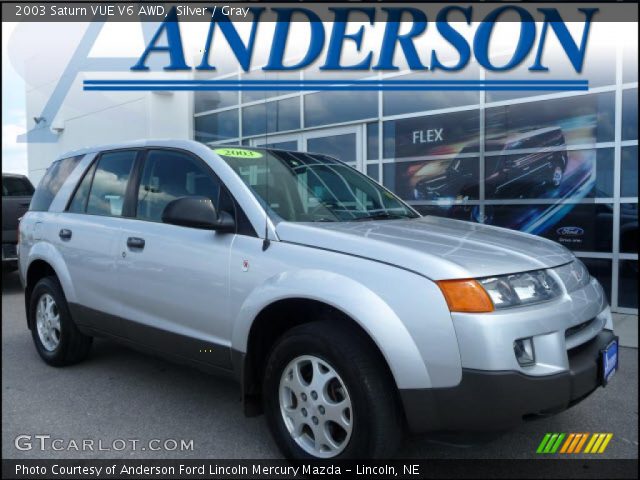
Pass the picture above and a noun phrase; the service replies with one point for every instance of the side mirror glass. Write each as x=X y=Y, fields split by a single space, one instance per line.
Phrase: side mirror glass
x=197 y=212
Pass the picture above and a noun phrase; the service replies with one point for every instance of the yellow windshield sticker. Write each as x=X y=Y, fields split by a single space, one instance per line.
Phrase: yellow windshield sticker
x=238 y=153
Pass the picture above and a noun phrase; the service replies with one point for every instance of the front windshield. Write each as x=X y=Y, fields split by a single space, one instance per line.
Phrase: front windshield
x=302 y=187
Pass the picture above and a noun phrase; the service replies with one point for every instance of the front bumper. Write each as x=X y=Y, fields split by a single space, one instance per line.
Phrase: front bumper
x=499 y=400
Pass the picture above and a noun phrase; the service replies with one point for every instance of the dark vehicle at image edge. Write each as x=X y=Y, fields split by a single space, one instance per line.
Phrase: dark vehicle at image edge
x=344 y=315
x=16 y=196
x=507 y=175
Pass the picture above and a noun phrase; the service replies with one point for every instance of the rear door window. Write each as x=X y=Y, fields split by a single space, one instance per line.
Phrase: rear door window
x=107 y=193
x=16 y=187
x=51 y=183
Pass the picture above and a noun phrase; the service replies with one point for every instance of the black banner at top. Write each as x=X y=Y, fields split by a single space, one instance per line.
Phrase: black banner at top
x=326 y=11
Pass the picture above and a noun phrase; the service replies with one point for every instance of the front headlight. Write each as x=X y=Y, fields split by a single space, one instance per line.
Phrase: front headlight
x=521 y=288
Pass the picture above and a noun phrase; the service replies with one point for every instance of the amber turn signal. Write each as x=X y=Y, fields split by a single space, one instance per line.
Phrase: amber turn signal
x=466 y=295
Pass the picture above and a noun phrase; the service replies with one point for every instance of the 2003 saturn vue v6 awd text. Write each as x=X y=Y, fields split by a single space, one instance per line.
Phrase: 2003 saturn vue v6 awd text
x=346 y=317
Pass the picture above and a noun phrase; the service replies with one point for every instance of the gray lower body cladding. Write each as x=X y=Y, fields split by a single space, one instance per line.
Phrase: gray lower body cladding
x=500 y=400
x=211 y=358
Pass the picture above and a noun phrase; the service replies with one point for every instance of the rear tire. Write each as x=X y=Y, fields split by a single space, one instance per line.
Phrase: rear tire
x=55 y=335
x=355 y=389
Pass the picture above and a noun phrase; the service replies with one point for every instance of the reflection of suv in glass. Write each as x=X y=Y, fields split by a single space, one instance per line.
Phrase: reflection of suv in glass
x=342 y=313
x=507 y=175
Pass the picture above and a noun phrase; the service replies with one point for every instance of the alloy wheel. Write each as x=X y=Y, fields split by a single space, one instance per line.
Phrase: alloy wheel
x=48 y=322
x=316 y=406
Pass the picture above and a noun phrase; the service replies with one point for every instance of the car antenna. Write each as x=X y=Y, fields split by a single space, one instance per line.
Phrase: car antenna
x=266 y=242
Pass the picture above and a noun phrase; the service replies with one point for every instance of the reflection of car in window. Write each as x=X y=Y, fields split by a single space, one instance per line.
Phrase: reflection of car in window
x=508 y=174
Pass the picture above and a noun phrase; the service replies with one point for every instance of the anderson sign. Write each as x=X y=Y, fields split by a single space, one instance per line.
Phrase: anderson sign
x=532 y=37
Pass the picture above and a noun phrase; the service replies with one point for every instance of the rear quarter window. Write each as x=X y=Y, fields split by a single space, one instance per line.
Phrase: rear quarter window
x=51 y=183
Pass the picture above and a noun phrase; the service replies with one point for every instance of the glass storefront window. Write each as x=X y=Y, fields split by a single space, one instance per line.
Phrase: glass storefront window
x=399 y=102
x=389 y=176
x=629 y=227
x=343 y=147
x=578 y=120
x=549 y=174
x=389 y=139
x=217 y=126
x=372 y=171
x=603 y=185
x=630 y=114
x=326 y=108
x=579 y=227
x=600 y=269
x=204 y=101
x=441 y=134
x=292 y=145
x=629 y=173
x=628 y=284
x=372 y=141
x=271 y=117
x=438 y=180
x=599 y=68
x=469 y=213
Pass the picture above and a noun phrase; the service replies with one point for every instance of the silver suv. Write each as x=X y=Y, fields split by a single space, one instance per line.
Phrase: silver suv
x=345 y=316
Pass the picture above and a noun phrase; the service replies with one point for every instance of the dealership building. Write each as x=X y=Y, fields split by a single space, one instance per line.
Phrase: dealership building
x=561 y=164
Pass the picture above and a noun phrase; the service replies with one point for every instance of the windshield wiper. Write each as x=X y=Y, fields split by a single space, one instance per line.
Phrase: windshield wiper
x=380 y=216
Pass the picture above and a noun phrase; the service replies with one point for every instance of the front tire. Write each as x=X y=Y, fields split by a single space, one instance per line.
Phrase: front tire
x=328 y=394
x=57 y=339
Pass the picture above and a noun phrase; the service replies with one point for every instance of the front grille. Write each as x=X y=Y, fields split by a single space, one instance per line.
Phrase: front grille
x=9 y=251
x=577 y=328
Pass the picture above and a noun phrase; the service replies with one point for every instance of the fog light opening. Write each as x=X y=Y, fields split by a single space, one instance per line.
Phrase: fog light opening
x=525 y=354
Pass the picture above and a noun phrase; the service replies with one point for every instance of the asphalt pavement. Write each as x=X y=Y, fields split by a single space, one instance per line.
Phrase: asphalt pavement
x=127 y=404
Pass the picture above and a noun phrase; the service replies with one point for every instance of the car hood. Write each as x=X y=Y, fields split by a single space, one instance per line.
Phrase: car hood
x=438 y=248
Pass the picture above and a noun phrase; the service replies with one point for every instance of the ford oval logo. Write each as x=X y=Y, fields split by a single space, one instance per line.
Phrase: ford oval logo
x=570 y=231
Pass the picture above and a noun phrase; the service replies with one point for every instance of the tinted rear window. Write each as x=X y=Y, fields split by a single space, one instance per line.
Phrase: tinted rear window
x=50 y=184
x=16 y=187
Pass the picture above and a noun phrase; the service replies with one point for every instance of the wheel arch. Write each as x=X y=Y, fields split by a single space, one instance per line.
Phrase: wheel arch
x=274 y=321
x=45 y=260
x=263 y=318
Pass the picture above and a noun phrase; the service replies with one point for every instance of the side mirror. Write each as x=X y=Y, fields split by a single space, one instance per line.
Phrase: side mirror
x=197 y=212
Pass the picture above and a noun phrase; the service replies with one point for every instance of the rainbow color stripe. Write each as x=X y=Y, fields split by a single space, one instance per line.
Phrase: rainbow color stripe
x=573 y=443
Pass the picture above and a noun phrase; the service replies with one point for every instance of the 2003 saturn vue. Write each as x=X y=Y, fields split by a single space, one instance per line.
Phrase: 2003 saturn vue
x=346 y=317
